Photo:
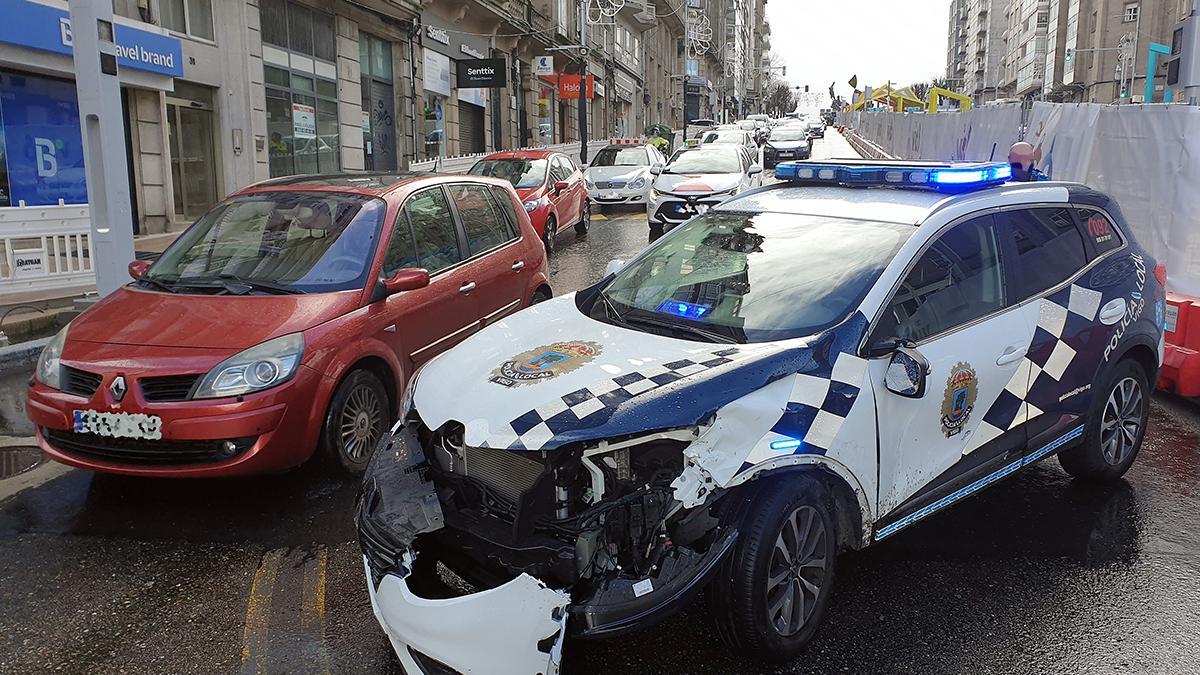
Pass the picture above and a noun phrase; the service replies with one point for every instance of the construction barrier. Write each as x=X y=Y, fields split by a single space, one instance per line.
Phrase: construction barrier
x=1181 y=354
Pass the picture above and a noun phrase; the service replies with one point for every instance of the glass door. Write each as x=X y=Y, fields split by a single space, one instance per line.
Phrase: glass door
x=193 y=160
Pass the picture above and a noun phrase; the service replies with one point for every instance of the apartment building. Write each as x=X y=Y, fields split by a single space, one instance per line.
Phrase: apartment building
x=985 y=25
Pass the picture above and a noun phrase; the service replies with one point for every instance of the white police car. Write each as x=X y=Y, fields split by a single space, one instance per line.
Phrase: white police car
x=808 y=367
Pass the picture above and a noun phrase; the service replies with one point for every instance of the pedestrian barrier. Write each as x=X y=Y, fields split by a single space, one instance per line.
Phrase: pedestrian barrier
x=463 y=163
x=1181 y=354
x=45 y=247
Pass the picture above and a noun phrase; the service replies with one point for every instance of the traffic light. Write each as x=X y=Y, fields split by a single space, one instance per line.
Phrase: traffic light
x=1070 y=55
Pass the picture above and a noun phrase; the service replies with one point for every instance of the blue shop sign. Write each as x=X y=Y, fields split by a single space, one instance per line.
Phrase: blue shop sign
x=38 y=26
x=40 y=141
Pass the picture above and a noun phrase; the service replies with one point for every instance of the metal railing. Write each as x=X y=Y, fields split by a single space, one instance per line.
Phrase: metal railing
x=45 y=247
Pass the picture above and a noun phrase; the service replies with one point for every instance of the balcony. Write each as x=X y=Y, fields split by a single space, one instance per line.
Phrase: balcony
x=640 y=12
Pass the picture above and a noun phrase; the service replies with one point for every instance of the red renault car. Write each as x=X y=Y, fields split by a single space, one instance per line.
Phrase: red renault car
x=286 y=320
x=551 y=188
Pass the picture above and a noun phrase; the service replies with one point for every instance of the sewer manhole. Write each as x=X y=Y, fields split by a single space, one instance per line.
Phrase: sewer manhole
x=19 y=460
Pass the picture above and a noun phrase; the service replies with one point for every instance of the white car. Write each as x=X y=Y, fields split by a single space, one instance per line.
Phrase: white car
x=808 y=368
x=620 y=174
x=731 y=137
x=696 y=179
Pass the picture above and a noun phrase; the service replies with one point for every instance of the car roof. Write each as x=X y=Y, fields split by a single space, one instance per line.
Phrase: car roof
x=372 y=184
x=522 y=154
x=886 y=204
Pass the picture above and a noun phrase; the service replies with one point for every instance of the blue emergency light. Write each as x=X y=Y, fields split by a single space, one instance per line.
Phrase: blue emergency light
x=686 y=310
x=941 y=176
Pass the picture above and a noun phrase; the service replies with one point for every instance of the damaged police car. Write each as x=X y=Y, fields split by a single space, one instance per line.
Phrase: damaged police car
x=807 y=368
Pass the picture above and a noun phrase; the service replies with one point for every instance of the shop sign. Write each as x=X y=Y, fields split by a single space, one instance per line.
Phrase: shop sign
x=437 y=72
x=482 y=74
x=38 y=26
x=568 y=87
x=599 y=87
x=45 y=145
x=437 y=34
x=304 y=121
x=29 y=263
x=543 y=66
x=471 y=51
x=366 y=122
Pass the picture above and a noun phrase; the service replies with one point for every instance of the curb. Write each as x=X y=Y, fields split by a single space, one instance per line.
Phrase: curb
x=21 y=354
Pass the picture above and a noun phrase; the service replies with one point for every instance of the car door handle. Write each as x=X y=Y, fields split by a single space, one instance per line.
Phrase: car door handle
x=1112 y=311
x=1012 y=354
x=466 y=288
x=518 y=266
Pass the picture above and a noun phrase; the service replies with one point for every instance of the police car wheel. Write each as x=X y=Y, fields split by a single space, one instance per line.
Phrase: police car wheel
x=358 y=415
x=1115 y=428
x=585 y=220
x=550 y=235
x=775 y=586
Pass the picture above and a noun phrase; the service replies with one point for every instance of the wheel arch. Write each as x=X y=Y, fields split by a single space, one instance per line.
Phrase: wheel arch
x=1144 y=355
x=380 y=368
x=853 y=513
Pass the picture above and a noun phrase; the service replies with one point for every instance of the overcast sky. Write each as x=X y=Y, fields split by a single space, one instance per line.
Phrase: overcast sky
x=823 y=41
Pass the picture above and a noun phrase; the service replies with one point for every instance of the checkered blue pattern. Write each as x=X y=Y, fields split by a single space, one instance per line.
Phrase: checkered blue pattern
x=594 y=404
x=820 y=403
x=1068 y=312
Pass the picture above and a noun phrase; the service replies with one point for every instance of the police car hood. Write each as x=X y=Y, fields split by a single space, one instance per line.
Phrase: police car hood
x=550 y=375
x=698 y=183
x=626 y=173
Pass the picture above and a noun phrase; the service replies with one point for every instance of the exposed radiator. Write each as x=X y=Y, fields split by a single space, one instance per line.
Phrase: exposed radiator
x=509 y=473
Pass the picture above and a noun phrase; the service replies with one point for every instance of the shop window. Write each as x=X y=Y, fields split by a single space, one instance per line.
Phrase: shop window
x=298 y=28
x=41 y=146
x=190 y=17
x=302 y=123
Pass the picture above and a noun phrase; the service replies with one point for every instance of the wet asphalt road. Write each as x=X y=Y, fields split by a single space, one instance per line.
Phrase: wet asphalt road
x=1037 y=574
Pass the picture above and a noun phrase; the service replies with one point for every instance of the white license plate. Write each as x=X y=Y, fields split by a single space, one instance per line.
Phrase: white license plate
x=118 y=425
x=612 y=195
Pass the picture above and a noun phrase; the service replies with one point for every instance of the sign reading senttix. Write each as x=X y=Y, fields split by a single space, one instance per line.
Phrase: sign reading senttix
x=47 y=28
x=482 y=74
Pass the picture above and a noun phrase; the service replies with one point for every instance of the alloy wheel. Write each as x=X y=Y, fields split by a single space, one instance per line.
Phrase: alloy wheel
x=1121 y=423
x=796 y=571
x=361 y=422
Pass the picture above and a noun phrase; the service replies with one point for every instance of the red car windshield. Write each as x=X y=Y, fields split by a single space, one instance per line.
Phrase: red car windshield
x=295 y=242
x=522 y=173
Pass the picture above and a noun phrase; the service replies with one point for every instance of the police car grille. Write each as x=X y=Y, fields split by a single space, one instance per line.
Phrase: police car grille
x=506 y=472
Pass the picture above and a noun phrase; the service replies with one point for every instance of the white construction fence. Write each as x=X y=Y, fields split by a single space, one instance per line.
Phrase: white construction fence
x=463 y=163
x=45 y=247
x=1145 y=156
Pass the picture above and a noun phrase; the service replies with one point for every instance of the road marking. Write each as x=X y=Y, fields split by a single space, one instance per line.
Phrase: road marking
x=312 y=610
x=258 y=613
x=599 y=216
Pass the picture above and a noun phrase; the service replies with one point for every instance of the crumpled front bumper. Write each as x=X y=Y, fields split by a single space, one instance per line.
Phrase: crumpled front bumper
x=513 y=629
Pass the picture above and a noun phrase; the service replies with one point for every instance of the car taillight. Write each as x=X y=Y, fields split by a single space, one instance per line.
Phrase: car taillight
x=1160 y=273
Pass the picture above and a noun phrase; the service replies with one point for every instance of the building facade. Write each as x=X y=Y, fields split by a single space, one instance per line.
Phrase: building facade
x=244 y=90
x=985 y=26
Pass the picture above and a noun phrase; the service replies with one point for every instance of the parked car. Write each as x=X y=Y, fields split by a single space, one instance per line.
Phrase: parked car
x=787 y=143
x=620 y=174
x=284 y=321
x=807 y=368
x=696 y=128
x=816 y=129
x=758 y=131
x=731 y=137
x=695 y=180
x=551 y=188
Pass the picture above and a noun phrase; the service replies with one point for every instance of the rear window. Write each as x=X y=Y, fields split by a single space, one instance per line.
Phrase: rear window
x=1100 y=231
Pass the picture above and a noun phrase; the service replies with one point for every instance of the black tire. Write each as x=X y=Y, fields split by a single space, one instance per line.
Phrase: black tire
x=585 y=219
x=358 y=415
x=550 y=236
x=750 y=611
x=656 y=230
x=1116 y=426
x=540 y=295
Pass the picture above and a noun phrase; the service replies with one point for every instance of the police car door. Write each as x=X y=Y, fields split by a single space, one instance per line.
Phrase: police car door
x=952 y=307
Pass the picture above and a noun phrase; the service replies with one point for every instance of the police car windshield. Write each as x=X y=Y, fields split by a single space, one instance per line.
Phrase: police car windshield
x=706 y=160
x=621 y=157
x=754 y=277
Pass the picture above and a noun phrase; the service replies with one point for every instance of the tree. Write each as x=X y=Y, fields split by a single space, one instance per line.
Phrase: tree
x=780 y=99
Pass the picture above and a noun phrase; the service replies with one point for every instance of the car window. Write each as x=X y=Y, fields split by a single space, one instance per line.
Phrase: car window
x=481 y=220
x=956 y=280
x=556 y=171
x=401 y=248
x=433 y=230
x=1049 y=248
x=504 y=202
x=1099 y=229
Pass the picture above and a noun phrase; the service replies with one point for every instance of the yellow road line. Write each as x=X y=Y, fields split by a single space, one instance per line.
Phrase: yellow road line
x=258 y=613
x=312 y=613
x=599 y=216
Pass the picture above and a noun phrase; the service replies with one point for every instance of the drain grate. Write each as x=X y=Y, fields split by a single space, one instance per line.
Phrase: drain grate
x=19 y=460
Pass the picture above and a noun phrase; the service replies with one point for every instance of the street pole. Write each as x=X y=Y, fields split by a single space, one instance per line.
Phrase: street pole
x=105 y=167
x=583 y=88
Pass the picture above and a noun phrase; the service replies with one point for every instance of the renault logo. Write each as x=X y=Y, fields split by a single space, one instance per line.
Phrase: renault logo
x=118 y=388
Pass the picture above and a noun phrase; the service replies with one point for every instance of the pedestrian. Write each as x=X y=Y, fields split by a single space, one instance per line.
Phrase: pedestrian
x=1022 y=156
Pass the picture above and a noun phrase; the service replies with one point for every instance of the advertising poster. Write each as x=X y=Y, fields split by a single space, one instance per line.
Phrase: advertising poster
x=304 y=121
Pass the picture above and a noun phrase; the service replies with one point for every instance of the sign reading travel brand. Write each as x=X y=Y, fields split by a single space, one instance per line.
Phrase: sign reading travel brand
x=47 y=28
x=482 y=74
x=437 y=34
x=543 y=66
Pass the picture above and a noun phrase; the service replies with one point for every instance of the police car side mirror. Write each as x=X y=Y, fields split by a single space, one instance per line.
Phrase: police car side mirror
x=656 y=168
x=907 y=373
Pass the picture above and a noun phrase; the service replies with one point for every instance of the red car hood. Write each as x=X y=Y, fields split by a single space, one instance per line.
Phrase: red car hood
x=151 y=319
x=527 y=194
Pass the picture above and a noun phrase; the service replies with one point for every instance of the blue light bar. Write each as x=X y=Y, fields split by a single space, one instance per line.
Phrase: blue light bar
x=685 y=309
x=789 y=444
x=942 y=176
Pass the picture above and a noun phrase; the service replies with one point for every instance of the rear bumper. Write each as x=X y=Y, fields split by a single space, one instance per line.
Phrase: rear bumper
x=281 y=433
